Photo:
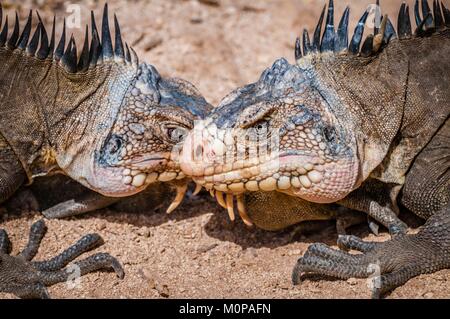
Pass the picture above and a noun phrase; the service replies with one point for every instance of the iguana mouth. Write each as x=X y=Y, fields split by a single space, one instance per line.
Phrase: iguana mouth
x=307 y=173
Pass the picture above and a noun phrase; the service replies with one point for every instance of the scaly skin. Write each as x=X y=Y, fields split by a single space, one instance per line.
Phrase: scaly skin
x=341 y=126
x=105 y=120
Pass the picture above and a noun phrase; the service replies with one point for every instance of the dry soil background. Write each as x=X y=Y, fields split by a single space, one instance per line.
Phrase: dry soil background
x=196 y=252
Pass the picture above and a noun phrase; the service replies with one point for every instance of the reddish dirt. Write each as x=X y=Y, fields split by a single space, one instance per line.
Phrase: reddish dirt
x=196 y=252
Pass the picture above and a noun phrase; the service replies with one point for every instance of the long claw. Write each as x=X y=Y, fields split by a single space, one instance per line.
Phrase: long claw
x=230 y=206
x=220 y=199
x=181 y=191
x=242 y=211
x=197 y=190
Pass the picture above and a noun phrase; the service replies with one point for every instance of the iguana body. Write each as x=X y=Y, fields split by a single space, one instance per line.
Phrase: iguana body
x=349 y=126
x=105 y=120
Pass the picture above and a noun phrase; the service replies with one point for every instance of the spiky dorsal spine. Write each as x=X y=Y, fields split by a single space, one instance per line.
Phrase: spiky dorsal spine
x=427 y=23
x=91 y=56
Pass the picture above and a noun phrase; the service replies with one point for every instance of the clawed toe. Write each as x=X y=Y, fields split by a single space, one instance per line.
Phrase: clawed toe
x=324 y=260
x=26 y=279
x=389 y=264
x=85 y=244
x=351 y=242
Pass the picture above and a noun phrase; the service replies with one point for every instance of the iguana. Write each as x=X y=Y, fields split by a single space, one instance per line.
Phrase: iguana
x=101 y=118
x=364 y=127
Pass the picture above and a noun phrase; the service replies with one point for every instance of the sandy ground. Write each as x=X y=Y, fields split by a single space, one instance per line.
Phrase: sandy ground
x=196 y=252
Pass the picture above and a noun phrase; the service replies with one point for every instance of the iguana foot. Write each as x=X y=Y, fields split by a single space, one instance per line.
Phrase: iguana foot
x=29 y=279
x=390 y=264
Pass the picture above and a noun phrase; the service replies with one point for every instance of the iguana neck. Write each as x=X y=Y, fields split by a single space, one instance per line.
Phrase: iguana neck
x=44 y=107
x=385 y=100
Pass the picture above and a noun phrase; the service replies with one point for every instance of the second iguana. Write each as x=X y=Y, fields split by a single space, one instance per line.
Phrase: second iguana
x=100 y=117
x=362 y=125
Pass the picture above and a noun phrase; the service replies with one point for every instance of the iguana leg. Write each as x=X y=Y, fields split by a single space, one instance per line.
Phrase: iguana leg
x=427 y=185
x=12 y=174
x=29 y=279
x=394 y=262
x=382 y=213
x=391 y=263
x=86 y=203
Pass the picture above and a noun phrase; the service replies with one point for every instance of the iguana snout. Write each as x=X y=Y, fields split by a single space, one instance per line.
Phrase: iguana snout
x=277 y=134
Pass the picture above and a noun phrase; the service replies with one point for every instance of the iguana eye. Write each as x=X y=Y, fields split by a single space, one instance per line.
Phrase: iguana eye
x=176 y=134
x=114 y=145
x=329 y=134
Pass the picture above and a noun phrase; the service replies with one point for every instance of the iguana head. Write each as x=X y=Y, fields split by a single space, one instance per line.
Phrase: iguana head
x=141 y=147
x=316 y=129
x=145 y=117
x=276 y=134
x=104 y=119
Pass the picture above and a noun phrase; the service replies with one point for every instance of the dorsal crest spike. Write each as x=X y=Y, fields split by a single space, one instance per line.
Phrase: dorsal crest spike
x=83 y=63
x=390 y=31
x=327 y=43
x=446 y=15
x=417 y=13
x=134 y=58
x=403 y=22
x=44 y=47
x=96 y=48
x=127 y=53
x=12 y=42
x=107 y=48
x=34 y=42
x=306 y=42
x=4 y=33
x=52 y=40
x=423 y=27
x=298 y=49
x=318 y=31
x=118 y=50
x=357 y=35
x=25 y=36
x=69 y=59
x=438 y=18
x=367 y=47
x=341 y=40
x=425 y=8
x=59 y=52
x=427 y=22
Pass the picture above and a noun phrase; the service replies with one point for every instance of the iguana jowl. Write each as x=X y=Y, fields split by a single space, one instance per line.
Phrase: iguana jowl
x=365 y=127
x=103 y=119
